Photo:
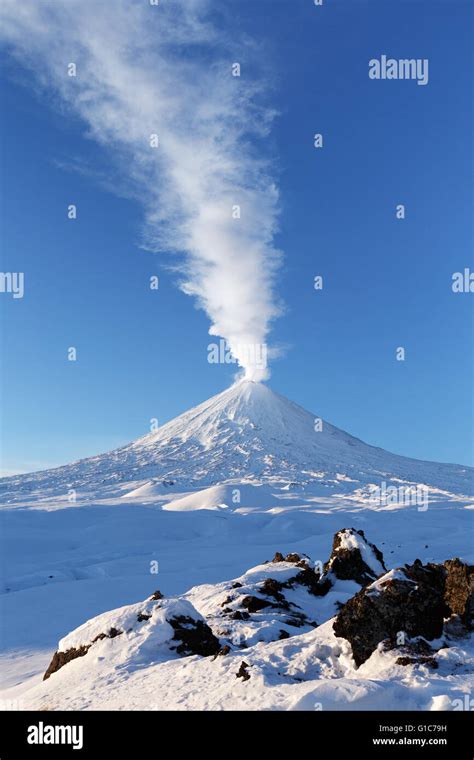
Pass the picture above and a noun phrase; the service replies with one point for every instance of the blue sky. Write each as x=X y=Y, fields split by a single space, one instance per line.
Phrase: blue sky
x=387 y=282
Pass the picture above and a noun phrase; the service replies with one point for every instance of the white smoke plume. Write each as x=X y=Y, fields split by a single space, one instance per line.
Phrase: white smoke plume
x=166 y=70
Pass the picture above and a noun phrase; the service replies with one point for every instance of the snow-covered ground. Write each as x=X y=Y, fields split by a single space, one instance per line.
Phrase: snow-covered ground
x=200 y=501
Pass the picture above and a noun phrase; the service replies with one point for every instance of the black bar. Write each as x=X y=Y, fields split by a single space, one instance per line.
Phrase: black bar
x=147 y=734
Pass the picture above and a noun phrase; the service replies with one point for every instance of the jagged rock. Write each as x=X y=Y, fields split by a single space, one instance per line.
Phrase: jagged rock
x=315 y=584
x=254 y=604
x=274 y=588
x=238 y=615
x=292 y=557
x=421 y=660
x=283 y=594
x=354 y=558
x=223 y=651
x=409 y=599
x=195 y=636
x=62 y=658
x=459 y=590
x=413 y=652
x=242 y=671
x=278 y=557
x=417 y=652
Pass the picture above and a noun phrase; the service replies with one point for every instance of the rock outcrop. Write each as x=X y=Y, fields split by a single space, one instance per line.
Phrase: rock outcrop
x=411 y=601
x=163 y=626
x=354 y=558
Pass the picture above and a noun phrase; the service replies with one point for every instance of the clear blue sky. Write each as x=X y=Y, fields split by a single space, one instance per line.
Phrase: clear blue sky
x=143 y=354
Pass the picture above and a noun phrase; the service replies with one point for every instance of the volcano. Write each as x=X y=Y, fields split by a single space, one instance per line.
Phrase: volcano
x=247 y=434
x=206 y=501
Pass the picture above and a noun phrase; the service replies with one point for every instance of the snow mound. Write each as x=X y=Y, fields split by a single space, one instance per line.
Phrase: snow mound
x=227 y=496
x=145 y=632
x=151 y=488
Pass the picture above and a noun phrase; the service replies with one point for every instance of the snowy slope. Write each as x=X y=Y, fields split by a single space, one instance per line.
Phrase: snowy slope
x=211 y=493
x=313 y=671
x=247 y=432
x=133 y=658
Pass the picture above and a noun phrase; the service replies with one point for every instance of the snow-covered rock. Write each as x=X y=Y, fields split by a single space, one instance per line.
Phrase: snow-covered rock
x=132 y=658
x=354 y=558
x=289 y=595
x=148 y=631
x=405 y=603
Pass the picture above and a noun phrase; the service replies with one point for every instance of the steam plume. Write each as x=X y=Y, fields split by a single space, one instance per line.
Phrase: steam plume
x=165 y=70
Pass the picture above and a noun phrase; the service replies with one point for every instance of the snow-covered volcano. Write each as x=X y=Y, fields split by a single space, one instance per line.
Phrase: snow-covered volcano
x=210 y=494
x=247 y=433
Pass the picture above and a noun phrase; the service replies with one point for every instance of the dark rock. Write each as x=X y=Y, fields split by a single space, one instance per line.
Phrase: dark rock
x=293 y=557
x=313 y=582
x=254 y=604
x=278 y=557
x=111 y=634
x=273 y=588
x=157 y=595
x=238 y=615
x=348 y=564
x=195 y=636
x=62 y=658
x=242 y=671
x=406 y=660
x=413 y=647
x=413 y=603
x=303 y=563
x=222 y=652
x=459 y=590
x=296 y=621
x=455 y=629
x=414 y=652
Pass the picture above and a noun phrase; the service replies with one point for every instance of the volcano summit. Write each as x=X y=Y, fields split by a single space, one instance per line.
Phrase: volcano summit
x=248 y=434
